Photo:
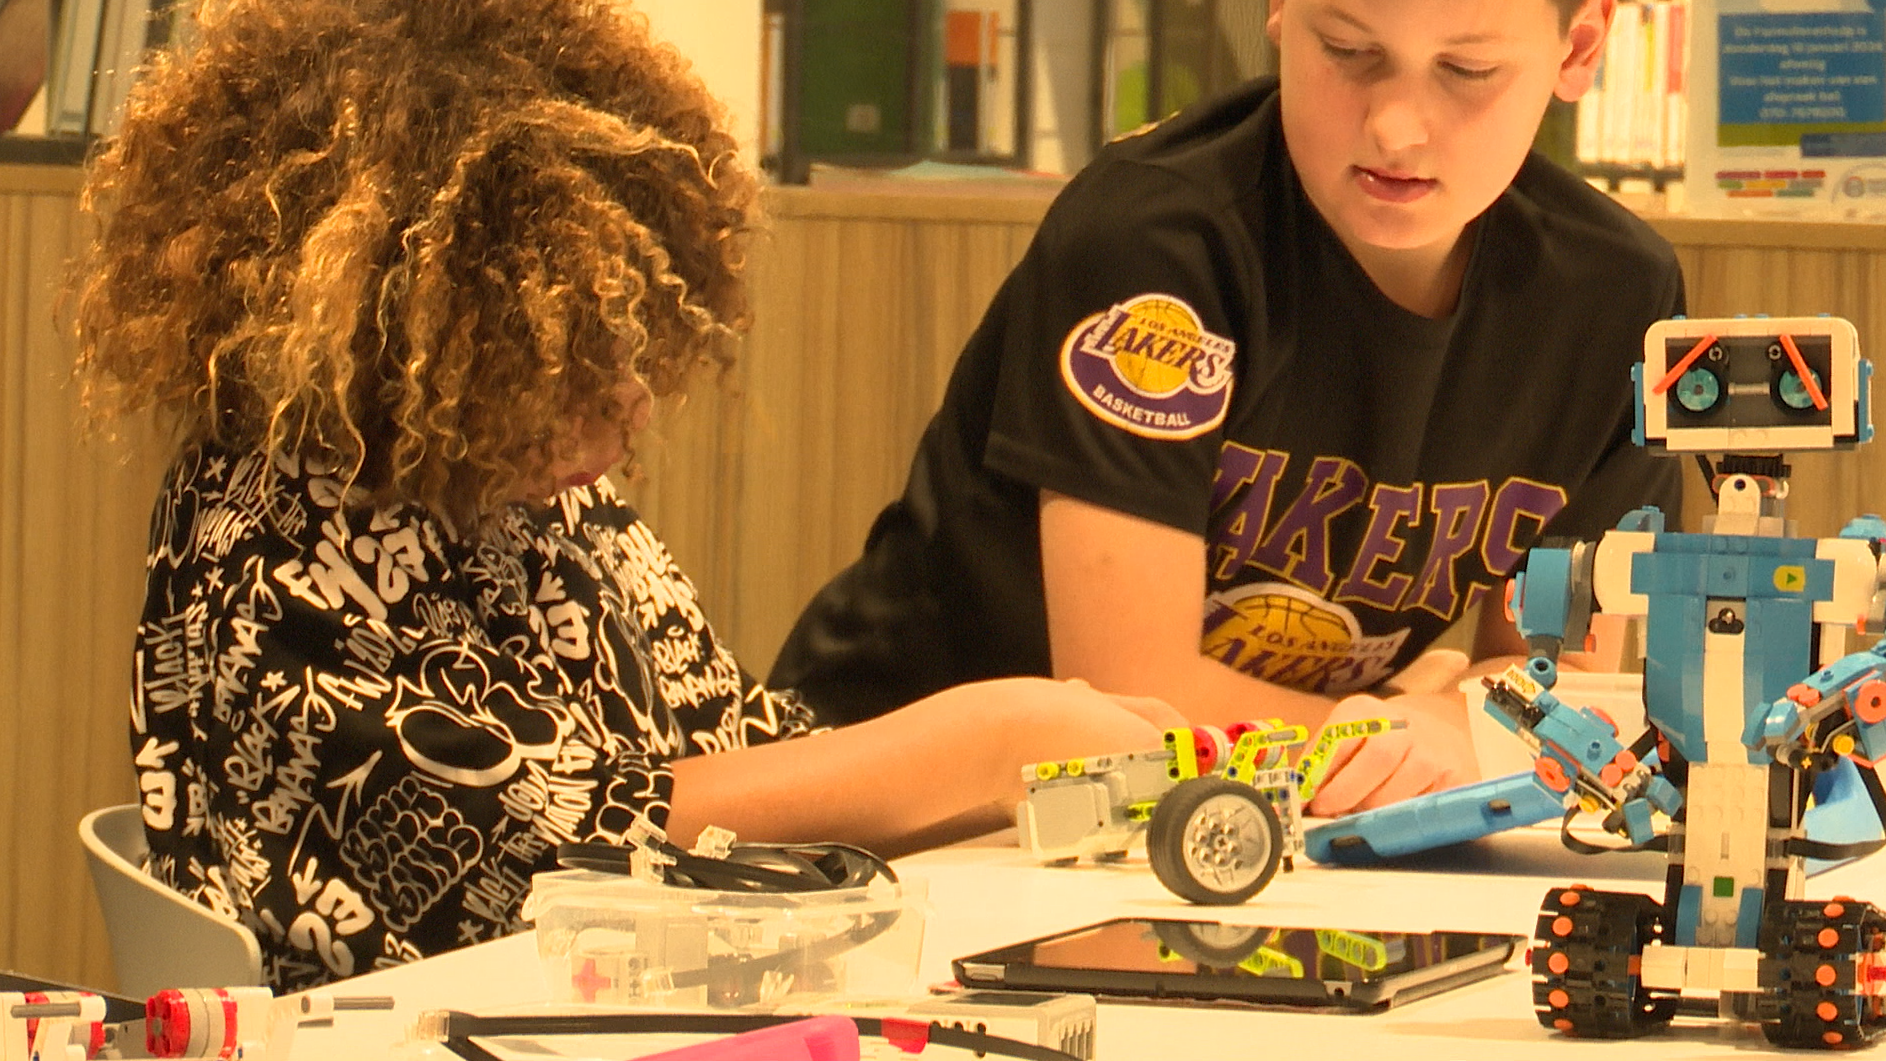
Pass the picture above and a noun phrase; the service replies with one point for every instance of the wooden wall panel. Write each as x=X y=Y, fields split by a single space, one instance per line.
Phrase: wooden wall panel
x=863 y=304
x=73 y=519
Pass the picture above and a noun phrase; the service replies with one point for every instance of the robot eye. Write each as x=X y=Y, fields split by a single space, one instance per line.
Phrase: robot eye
x=1792 y=392
x=1699 y=391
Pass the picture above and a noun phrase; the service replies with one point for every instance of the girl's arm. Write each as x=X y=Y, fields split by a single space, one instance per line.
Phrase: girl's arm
x=942 y=769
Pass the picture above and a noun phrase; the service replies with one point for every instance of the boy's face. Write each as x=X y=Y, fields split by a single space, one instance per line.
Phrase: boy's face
x=1406 y=118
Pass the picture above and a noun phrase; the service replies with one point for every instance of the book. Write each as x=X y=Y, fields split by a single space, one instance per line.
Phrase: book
x=1630 y=124
x=123 y=41
x=74 y=56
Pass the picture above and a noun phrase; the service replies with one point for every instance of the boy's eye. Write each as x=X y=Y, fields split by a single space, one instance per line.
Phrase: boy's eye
x=1342 y=52
x=1469 y=73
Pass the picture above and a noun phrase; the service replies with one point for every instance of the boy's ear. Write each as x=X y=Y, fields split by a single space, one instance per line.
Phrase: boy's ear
x=1273 y=26
x=1585 y=38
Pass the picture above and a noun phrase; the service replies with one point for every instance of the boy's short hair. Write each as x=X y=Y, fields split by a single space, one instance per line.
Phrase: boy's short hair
x=416 y=239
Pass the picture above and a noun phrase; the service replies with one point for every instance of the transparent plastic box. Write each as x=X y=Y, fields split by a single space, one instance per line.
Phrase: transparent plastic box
x=622 y=941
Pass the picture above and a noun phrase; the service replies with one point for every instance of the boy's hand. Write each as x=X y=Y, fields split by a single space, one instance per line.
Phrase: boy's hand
x=1433 y=752
x=1437 y=670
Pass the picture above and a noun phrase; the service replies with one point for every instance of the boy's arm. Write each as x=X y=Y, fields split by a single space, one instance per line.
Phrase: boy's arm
x=1125 y=609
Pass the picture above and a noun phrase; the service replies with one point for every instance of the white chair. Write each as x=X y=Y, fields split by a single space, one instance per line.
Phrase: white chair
x=159 y=938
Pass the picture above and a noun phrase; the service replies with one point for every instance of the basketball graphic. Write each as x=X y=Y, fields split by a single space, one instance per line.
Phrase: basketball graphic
x=1283 y=618
x=1142 y=354
x=1288 y=635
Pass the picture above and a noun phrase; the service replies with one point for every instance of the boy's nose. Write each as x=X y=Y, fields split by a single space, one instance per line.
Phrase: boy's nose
x=1397 y=121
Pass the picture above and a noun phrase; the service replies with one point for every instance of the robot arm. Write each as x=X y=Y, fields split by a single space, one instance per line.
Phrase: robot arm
x=1552 y=599
x=1576 y=749
x=1578 y=753
x=1839 y=710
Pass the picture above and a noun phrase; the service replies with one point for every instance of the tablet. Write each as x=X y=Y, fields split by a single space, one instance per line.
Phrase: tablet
x=1146 y=958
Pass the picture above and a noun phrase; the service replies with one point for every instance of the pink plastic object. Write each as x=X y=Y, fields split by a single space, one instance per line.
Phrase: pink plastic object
x=813 y=1039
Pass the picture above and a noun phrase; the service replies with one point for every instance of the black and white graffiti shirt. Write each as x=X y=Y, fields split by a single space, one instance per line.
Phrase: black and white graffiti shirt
x=360 y=734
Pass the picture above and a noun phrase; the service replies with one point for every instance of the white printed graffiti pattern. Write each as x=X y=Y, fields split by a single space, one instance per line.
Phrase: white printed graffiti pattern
x=360 y=733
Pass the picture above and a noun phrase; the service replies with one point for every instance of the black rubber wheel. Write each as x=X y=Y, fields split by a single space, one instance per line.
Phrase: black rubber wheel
x=1214 y=841
x=1583 y=954
x=1810 y=966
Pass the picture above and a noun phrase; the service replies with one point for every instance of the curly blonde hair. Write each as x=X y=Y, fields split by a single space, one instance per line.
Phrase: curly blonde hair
x=422 y=238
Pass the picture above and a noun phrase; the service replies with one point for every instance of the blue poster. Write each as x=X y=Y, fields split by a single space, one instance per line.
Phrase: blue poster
x=1783 y=76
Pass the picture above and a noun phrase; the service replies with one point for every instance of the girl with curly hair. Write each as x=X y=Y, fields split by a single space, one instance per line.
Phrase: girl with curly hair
x=407 y=276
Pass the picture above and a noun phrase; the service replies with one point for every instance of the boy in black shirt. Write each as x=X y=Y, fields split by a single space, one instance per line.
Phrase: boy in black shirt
x=1326 y=355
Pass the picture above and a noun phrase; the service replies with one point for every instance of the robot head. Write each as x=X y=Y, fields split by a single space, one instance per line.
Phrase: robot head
x=1753 y=385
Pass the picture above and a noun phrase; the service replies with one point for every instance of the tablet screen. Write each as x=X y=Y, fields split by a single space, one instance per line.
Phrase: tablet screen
x=1207 y=960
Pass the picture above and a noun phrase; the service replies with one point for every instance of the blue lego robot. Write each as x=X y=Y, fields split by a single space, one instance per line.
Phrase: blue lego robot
x=1756 y=711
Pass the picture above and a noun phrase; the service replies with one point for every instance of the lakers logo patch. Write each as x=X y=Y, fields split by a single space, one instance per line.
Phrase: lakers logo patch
x=1148 y=365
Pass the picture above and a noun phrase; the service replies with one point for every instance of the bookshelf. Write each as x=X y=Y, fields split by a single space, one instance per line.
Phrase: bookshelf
x=1632 y=127
x=1019 y=84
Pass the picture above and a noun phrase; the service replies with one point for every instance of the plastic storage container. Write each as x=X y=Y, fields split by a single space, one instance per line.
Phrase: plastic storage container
x=622 y=941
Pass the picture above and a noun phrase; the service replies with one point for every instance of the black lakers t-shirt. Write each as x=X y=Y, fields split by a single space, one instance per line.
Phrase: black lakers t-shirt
x=1187 y=341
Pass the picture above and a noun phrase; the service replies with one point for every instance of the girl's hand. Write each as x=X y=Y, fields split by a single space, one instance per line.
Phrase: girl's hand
x=1150 y=708
x=1049 y=720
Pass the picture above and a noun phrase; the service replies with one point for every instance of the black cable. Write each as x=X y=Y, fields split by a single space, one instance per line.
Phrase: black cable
x=1577 y=846
x=1639 y=749
x=457 y=1029
x=1709 y=476
x=1831 y=852
x=756 y=869
x=747 y=867
x=724 y=969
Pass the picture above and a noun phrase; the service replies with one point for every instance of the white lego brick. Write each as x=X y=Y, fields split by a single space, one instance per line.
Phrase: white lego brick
x=1664 y=967
x=1065 y=820
x=1739 y=969
x=1701 y=440
x=1722 y=969
x=1738 y=507
x=1081 y=812
x=1854 y=573
x=1656 y=410
x=1839 y=329
x=1062 y=1022
x=1726 y=835
x=1611 y=572
x=1723 y=711
x=1705 y=969
x=1807 y=437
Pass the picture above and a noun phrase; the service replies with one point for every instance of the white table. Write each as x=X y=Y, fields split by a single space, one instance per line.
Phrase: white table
x=990 y=893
